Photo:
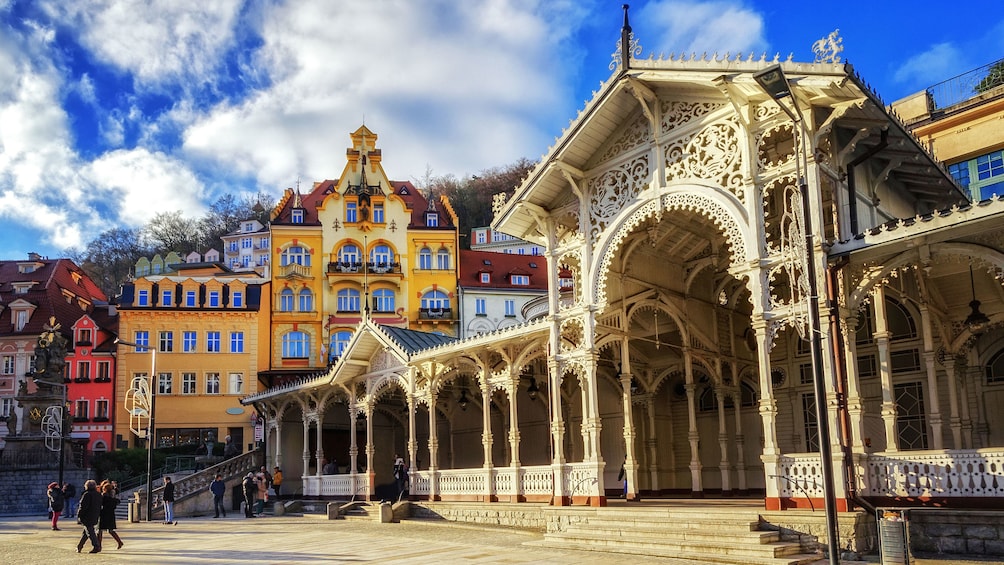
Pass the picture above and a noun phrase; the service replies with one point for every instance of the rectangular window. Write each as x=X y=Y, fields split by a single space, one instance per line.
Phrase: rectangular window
x=84 y=337
x=167 y=298
x=22 y=319
x=801 y=347
x=236 y=342
x=236 y=383
x=905 y=361
x=486 y=278
x=8 y=364
x=100 y=410
x=166 y=342
x=297 y=217
x=189 y=342
x=164 y=382
x=212 y=383
x=213 y=342
x=805 y=374
x=811 y=428
x=510 y=307
x=263 y=243
x=190 y=298
x=6 y=407
x=431 y=219
x=188 y=383
x=481 y=237
x=104 y=372
x=214 y=299
x=84 y=371
x=351 y=213
x=142 y=339
x=237 y=299
x=480 y=307
x=521 y=280
x=143 y=298
x=80 y=410
x=378 y=213
x=911 y=424
x=246 y=243
x=867 y=366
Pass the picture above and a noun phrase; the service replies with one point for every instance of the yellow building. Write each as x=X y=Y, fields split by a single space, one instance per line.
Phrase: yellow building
x=960 y=120
x=358 y=246
x=207 y=330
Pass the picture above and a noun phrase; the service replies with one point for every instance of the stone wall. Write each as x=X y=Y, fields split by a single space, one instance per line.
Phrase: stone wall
x=24 y=491
x=856 y=529
x=942 y=531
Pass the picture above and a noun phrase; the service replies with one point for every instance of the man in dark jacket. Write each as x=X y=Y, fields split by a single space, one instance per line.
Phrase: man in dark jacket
x=250 y=489
x=218 y=487
x=88 y=513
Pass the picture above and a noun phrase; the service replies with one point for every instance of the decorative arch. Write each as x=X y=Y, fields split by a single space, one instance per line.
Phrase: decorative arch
x=721 y=208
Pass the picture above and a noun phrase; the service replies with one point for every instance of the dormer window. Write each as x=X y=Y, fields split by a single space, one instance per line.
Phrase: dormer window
x=520 y=280
x=143 y=298
x=432 y=220
x=249 y=227
x=214 y=299
x=297 y=217
x=486 y=278
x=21 y=320
x=22 y=287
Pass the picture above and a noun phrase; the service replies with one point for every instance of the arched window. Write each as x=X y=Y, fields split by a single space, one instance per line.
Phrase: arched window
x=349 y=254
x=295 y=254
x=306 y=300
x=901 y=324
x=747 y=395
x=383 y=300
x=707 y=401
x=296 y=345
x=435 y=300
x=381 y=256
x=443 y=259
x=339 y=341
x=995 y=368
x=348 y=300
x=286 y=300
x=425 y=258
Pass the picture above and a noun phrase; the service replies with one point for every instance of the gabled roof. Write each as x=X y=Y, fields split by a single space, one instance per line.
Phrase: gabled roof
x=60 y=289
x=501 y=266
x=413 y=341
x=292 y=198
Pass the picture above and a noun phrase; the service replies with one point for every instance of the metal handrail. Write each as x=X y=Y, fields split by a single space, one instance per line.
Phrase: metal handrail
x=797 y=486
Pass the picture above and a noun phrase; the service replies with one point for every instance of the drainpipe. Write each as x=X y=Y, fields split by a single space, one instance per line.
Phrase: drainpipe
x=843 y=418
x=851 y=184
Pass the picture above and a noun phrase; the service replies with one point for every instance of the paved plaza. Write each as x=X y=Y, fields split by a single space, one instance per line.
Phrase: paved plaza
x=301 y=539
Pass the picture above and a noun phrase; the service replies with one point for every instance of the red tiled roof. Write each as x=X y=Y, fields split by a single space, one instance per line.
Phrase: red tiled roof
x=52 y=278
x=419 y=205
x=501 y=266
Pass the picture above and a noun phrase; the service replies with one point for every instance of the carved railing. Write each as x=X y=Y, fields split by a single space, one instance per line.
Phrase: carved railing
x=936 y=474
x=342 y=486
x=421 y=482
x=537 y=480
x=462 y=481
x=198 y=483
x=435 y=313
x=803 y=475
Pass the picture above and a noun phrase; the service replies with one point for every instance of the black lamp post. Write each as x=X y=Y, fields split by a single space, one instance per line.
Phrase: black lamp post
x=150 y=430
x=773 y=82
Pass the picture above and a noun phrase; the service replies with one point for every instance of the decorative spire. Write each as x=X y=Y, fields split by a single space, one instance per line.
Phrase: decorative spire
x=627 y=47
x=297 y=202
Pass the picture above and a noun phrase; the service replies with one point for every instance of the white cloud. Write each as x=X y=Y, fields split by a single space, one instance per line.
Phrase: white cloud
x=141 y=184
x=938 y=63
x=155 y=40
x=684 y=28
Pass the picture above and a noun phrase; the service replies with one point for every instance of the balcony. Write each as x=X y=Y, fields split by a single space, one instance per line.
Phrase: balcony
x=344 y=267
x=81 y=380
x=294 y=269
x=435 y=313
x=375 y=268
x=383 y=268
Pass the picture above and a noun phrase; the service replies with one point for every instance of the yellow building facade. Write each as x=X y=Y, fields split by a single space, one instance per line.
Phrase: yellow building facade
x=360 y=246
x=206 y=338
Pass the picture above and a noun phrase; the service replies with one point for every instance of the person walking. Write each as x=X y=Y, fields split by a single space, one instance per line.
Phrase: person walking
x=276 y=480
x=70 y=496
x=56 y=503
x=106 y=522
x=89 y=513
x=250 y=489
x=169 y=501
x=218 y=487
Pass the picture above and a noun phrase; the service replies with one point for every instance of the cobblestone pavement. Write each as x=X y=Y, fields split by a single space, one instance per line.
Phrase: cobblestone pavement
x=304 y=539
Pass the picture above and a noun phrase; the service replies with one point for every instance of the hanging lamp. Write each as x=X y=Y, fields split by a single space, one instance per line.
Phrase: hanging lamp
x=977 y=321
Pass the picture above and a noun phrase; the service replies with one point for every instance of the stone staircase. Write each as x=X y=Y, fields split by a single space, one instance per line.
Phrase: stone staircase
x=703 y=535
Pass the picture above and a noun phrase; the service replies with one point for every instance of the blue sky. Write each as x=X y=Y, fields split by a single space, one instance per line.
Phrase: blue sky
x=114 y=110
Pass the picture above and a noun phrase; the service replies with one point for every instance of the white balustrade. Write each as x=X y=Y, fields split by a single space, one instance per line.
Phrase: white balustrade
x=801 y=474
x=421 y=482
x=949 y=473
x=462 y=481
x=537 y=480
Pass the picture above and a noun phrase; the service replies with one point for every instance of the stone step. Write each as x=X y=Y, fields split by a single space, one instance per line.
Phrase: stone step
x=744 y=523
x=673 y=533
x=685 y=552
x=721 y=545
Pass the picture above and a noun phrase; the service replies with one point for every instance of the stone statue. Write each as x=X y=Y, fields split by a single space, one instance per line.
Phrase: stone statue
x=12 y=424
x=50 y=353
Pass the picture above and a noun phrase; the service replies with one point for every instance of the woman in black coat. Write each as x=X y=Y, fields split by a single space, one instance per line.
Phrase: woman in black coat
x=55 y=494
x=108 y=503
x=88 y=513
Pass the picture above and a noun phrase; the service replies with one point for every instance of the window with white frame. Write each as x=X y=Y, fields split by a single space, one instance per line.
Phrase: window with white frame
x=143 y=298
x=104 y=372
x=486 y=278
x=481 y=307
x=306 y=300
x=190 y=341
x=214 y=299
x=236 y=383
x=521 y=280
x=286 y=299
x=443 y=259
x=378 y=213
x=431 y=219
x=190 y=298
x=188 y=383
x=166 y=342
x=425 y=258
x=6 y=407
x=236 y=342
x=381 y=255
x=383 y=300
x=295 y=254
x=246 y=243
x=167 y=297
x=141 y=339
x=81 y=408
x=84 y=371
x=8 y=364
x=212 y=342
x=164 y=383
x=101 y=410
x=237 y=299
x=295 y=345
x=510 y=307
x=349 y=254
x=480 y=235
x=212 y=383
x=339 y=341
x=83 y=337
x=297 y=216
x=348 y=300
x=435 y=300
x=22 y=320
x=351 y=212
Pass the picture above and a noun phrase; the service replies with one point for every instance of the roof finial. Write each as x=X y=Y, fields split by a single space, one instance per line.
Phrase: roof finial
x=625 y=40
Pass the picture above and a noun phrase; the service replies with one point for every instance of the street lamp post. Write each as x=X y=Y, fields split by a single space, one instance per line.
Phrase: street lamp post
x=773 y=82
x=62 y=424
x=150 y=428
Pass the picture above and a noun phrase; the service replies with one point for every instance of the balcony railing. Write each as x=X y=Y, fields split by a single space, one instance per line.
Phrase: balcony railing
x=435 y=313
x=381 y=268
x=967 y=85
x=345 y=267
x=373 y=267
x=294 y=269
